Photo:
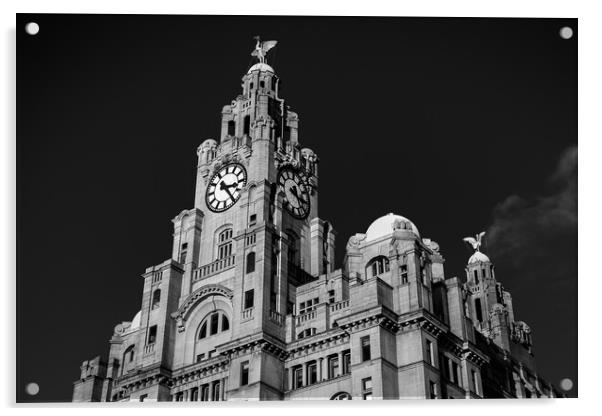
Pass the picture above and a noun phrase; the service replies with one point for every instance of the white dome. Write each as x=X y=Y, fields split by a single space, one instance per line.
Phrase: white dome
x=136 y=321
x=478 y=257
x=384 y=226
x=261 y=67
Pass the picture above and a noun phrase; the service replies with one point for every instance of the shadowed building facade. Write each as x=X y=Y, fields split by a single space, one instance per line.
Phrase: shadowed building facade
x=250 y=304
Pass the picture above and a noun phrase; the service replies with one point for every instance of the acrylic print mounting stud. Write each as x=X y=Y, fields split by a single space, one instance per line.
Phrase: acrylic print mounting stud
x=259 y=291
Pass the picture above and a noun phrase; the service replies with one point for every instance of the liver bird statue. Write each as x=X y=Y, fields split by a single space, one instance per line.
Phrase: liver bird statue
x=475 y=242
x=262 y=48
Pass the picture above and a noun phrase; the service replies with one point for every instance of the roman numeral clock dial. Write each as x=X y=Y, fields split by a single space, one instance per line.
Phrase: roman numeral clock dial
x=296 y=192
x=225 y=187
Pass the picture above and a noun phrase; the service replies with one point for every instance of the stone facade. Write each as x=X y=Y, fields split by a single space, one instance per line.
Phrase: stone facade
x=250 y=305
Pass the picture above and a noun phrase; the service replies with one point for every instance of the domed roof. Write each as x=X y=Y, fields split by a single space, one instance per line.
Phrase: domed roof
x=478 y=257
x=384 y=226
x=261 y=67
x=136 y=321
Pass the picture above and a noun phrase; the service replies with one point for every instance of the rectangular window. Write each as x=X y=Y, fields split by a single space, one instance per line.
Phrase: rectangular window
x=475 y=382
x=479 y=311
x=429 y=353
x=249 y=298
x=250 y=262
x=152 y=335
x=194 y=394
x=200 y=357
x=333 y=366
x=225 y=250
x=367 y=388
x=346 y=362
x=365 y=343
x=404 y=274
x=183 y=252
x=252 y=219
x=312 y=373
x=205 y=393
x=476 y=277
x=331 y=297
x=433 y=390
x=456 y=374
x=484 y=273
x=297 y=377
x=216 y=391
x=244 y=373
x=214 y=324
x=444 y=366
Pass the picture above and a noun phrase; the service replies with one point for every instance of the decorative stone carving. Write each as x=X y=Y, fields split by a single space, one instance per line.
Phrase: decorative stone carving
x=121 y=328
x=183 y=312
x=432 y=245
x=400 y=224
x=355 y=241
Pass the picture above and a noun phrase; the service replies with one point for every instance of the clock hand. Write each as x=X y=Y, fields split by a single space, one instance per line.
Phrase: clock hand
x=223 y=185
x=226 y=188
x=294 y=192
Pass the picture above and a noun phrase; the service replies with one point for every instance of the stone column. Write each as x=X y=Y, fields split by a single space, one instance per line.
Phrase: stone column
x=304 y=374
x=320 y=362
x=210 y=398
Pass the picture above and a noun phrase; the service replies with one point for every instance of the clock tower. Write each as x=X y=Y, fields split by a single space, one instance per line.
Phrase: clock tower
x=254 y=231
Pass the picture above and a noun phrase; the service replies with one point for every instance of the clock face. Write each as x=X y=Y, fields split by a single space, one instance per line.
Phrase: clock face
x=225 y=187
x=296 y=192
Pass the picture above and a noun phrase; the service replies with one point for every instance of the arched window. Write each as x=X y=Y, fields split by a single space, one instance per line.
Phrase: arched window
x=213 y=324
x=377 y=266
x=231 y=128
x=156 y=298
x=341 y=396
x=225 y=323
x=203 y=331
x=306 y=333
x=250 y=262
x=224 y=241
x=128 y=356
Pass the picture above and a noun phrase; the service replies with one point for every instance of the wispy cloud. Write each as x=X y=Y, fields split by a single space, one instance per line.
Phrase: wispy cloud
x=538 y=229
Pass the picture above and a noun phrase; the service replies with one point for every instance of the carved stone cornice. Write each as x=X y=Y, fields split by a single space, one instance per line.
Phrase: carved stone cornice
x=316 y=343
x=254 y=343
x=474 y=355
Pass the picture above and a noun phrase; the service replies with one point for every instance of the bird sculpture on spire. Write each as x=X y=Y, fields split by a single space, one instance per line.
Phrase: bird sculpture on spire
x=262 y=48
x=475 y=242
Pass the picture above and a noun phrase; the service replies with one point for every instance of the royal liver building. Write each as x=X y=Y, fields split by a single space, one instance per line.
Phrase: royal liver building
x=250 y=305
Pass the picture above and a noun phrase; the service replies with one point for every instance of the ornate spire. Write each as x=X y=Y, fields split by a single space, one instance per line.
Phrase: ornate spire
x=262 y=48
x=475 y=242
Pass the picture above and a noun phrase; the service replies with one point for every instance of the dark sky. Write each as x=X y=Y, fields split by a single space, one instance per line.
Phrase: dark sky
x=461 y=125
